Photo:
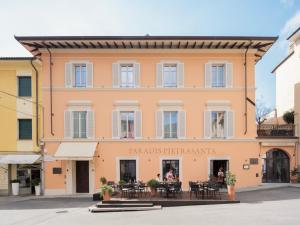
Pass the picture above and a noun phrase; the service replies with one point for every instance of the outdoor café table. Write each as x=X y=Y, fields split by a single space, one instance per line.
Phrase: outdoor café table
x=169 y=187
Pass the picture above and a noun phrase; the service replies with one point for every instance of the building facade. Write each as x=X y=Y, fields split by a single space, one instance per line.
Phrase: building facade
x=128 y=108
x=287 y=75
x=20 y=121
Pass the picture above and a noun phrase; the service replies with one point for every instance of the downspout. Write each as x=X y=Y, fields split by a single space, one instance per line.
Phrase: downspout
x=246 y=90
x=51 y=107
x=36 y=101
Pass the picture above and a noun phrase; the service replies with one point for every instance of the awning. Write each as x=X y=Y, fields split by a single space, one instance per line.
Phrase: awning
x=19 y=159
x=76 y=151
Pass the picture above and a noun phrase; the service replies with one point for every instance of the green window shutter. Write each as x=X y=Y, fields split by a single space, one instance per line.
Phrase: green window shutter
x=24 y=86
x=25 y=129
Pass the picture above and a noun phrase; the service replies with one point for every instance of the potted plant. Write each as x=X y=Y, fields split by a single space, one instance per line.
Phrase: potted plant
x=294 y=176
x=230 y=180
x=103 y=180
x=121 y=183
x=36 y=184
x=152 y=184
x=15 y=184
x=106 y=192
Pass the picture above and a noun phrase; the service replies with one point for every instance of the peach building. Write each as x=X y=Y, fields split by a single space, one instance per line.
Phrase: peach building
x=130 y=107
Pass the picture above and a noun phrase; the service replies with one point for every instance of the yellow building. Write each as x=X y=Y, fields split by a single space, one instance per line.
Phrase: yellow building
x=20 y=122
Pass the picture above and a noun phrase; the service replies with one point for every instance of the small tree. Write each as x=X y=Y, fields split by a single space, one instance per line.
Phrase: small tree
x=288 y=117
x=262 y=110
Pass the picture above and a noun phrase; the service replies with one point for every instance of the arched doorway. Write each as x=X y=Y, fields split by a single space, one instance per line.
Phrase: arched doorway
x=277 y=167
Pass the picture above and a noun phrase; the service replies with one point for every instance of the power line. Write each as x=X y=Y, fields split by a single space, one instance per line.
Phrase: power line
x=3 y=106
x=15 y=96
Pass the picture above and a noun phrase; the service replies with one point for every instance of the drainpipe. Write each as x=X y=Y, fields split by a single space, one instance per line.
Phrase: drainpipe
x=51 y=107
x=36 y=101
x=246 y=90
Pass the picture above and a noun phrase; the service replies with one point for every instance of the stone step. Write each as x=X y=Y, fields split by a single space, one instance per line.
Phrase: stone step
x=119 y=205
x=123 y=209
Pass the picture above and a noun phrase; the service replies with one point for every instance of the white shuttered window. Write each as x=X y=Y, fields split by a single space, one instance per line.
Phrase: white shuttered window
x=218 y=75
x=79 y=75
x=125 y=75
x=170 y=75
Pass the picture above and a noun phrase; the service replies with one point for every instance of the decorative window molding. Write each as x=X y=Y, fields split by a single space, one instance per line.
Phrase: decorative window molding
x=228 y=74
x=117 y=74
x=218 y=105
x=160 y=76
x=70 y=74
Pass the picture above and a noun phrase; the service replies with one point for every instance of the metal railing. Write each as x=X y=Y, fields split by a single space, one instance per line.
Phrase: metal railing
x=273 y=130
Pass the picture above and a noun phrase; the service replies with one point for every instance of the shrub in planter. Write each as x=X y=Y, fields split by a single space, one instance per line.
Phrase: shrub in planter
x=106 y=192
x=121 y=183
x=103 y=180
x=152 y=184
x=15 y=184
x=230 y=180
x=36 y=184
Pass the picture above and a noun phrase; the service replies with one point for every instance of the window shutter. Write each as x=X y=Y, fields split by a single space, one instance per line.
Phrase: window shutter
x=116 y=75
x=137 y=74
x=229 y=124
x=89 y=75
x=90 y=123
x=180 y=75
x=68 y=124
x=229 y=75
x=207 y=124
x=115 y=124
x=138 y=124
x=68 y=75
x=159 y=124
x=159 y=75
x=182 y=124
x=208 y=75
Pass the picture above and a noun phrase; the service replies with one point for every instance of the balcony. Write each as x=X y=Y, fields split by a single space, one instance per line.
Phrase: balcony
x=276 y=131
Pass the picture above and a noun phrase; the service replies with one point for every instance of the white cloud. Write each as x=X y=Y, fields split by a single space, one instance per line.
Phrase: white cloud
x=291 y=25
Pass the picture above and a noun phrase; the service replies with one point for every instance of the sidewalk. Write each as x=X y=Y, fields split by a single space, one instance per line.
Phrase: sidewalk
x=10 y=199
x=266 y=186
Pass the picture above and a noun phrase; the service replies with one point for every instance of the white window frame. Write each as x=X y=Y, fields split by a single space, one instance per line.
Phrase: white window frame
x=127 y=119
x=121 y=65
x=217 y=65
x=218 y=111
x=79 y=124
x=74 y=65
x=177 y=127
x=176 y=74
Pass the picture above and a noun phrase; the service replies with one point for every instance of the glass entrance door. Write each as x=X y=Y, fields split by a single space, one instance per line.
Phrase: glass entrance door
x=128 y=170
x=168 y=165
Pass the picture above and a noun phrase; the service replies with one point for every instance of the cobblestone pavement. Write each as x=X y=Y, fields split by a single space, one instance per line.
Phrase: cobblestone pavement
x=275 y=207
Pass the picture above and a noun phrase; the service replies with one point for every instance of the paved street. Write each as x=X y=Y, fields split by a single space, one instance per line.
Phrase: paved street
x=277 y=206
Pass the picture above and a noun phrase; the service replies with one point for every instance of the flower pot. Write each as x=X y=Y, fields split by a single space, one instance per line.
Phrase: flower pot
x=153 y=191
x=106 y=196
x=15 y=188
x=37 y=190
x=294 y=179
x=231 y=192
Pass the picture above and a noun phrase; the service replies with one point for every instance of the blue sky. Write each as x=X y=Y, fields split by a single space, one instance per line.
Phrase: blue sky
x=156 y=17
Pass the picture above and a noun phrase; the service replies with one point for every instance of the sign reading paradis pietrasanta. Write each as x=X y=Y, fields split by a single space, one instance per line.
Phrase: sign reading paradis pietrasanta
x=172 y=151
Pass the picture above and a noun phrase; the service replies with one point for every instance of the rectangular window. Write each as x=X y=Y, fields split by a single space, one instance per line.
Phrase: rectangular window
x=79 y=124
x=24 y=85
x=170 y=124
x=170 y=166
x=217 y=119
x=127 y=76
x=218 y=76
x=80 y=75
x=128 y=170
x=170 y=75
x=25 y=129
x=127 y=124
